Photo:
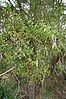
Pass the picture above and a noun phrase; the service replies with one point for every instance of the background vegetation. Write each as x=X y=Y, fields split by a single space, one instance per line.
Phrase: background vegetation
x=32 y=49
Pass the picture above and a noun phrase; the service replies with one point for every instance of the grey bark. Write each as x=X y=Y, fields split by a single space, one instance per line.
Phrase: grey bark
x=31 y=91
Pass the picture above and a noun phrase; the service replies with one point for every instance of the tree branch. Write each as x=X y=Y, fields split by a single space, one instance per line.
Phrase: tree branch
x=22 y=10
x=12 y=5
x=7 y=71
x=15 y=77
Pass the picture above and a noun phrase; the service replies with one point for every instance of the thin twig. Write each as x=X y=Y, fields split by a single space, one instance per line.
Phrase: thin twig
x=15 y=76
x=7 y=71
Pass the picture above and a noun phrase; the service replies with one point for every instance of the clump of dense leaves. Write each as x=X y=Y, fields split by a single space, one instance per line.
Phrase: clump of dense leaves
x=32 y=40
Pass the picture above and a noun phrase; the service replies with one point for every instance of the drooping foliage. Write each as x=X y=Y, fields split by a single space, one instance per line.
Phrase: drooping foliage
x=33 y=40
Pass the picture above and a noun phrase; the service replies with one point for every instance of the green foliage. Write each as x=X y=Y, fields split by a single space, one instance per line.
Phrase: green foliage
x=30 y=40
x=47 y=94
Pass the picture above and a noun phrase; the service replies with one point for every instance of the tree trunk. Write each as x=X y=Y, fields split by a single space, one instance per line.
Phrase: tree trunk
x=31 y=91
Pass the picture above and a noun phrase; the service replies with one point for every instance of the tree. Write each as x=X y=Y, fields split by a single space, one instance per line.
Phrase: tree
x=32 y=40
